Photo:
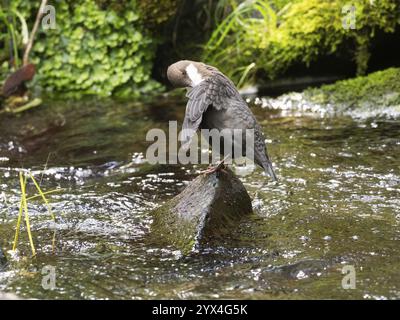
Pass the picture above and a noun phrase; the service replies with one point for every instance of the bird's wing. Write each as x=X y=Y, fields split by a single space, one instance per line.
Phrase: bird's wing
x=214 y=91
x=219 y=90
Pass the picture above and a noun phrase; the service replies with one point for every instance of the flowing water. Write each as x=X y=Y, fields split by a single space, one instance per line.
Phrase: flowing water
x=335 y=208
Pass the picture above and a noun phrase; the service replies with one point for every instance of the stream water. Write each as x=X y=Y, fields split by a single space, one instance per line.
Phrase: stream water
x=335 y=208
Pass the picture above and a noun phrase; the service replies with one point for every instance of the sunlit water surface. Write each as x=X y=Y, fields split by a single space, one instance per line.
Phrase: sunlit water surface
x=337 y=204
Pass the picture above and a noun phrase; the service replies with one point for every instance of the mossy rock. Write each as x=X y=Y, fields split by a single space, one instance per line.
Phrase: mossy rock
x=381 y=87
x=208 y=209
x=374 y=95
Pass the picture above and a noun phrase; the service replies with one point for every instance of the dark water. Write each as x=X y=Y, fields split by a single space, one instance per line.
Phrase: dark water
x=337 y=204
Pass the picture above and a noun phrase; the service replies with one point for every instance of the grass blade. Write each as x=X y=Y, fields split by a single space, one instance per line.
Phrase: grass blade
x=43 y=196
x=22 y=180
x=18 y=226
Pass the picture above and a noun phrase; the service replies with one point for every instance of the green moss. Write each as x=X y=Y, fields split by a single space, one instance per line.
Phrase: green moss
x=380 y=88
x=156 y=12
x=256 y=32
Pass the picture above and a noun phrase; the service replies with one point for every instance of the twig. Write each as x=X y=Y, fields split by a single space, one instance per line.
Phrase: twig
x=45 y=168
x=28 y=47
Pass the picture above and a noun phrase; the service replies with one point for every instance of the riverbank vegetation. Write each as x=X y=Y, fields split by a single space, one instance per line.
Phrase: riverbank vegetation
x=376 y=95
x=378 y=88
x=121 y=49
x=271 y=36
x=96 y=47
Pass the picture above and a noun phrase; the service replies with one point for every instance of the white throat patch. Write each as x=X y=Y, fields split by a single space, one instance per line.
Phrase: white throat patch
x=194 y=74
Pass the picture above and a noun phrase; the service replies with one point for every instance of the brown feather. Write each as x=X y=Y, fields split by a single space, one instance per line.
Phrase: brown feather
x=16 y=81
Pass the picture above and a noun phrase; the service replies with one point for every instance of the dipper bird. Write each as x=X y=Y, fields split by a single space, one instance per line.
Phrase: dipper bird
x=215 y=103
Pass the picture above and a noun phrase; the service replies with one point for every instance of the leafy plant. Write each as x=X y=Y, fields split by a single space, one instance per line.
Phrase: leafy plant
x=10 y=34
x=276 y=34
x=98 y=47
x=235 y=41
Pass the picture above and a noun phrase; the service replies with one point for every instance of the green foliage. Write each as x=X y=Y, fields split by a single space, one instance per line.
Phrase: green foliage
x=98 y=47
x=156 y=12
x=256 y=32
x=280 y=4
x=382 y=86
x=12 y=20
x=234 y=45
x=95 y=51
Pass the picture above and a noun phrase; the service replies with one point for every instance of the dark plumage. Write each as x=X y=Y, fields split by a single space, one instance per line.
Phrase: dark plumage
x=215 y=103
x=15 y=83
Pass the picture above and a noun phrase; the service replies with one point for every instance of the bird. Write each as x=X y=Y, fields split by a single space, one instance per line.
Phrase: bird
x=15 y=83
x=215 y=103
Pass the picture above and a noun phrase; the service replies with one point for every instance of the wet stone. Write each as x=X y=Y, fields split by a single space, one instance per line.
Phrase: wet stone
x=208 y=209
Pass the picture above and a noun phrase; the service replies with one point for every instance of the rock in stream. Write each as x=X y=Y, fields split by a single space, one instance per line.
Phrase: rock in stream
x=208 y=209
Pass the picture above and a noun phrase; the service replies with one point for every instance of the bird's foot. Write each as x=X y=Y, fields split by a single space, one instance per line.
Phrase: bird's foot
x=219 y=166
x=211 y=169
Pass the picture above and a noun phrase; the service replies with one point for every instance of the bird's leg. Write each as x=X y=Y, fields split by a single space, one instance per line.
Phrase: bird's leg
x=219 y=166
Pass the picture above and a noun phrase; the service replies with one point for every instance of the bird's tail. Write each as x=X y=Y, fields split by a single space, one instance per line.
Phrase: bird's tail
x=267 y=165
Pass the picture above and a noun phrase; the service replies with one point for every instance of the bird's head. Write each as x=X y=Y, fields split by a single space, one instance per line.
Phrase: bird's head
x=186 y=73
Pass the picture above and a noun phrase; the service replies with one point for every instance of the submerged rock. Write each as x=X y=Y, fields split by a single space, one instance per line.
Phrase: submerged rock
x=208 y=209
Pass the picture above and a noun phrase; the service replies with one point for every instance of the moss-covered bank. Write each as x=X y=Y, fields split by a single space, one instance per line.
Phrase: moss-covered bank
x=271 y=36
x=377 y=94
x=381 y=88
